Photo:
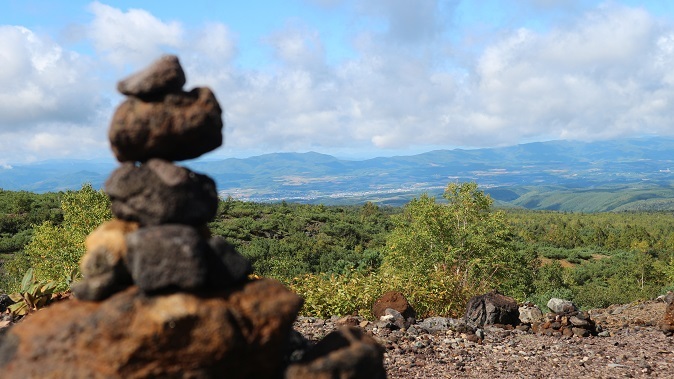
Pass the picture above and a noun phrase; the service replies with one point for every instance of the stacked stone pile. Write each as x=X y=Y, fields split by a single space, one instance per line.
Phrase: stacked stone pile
x=161 y=297
x=565 y=320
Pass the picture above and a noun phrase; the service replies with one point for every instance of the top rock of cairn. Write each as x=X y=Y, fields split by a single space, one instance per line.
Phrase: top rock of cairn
x=160 y=120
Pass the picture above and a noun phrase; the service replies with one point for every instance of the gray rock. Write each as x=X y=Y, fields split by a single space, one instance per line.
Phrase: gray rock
x=561 y=306
x=159 y=192
x=397 y=318
x=183 y=125
x=167 y=257
x=530 y=314
x=434 y=324
x=577 y=321
x=162 y=76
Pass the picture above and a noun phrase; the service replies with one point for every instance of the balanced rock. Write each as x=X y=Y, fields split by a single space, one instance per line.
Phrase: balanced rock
x=103 y=266
x=181 y=125
x=159 y=192
x=237 y=333
x=347 y=353
x=492 y=308
x=394 y=300
x=163 y=76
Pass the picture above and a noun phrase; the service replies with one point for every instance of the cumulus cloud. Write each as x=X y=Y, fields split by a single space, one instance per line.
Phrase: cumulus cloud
x=41 y=82
x=409 y=82
x=131 y=37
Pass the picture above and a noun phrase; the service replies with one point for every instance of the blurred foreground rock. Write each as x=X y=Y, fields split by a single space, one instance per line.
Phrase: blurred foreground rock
x=236 y=333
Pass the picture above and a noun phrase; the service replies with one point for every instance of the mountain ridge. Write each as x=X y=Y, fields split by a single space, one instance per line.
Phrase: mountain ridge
x=526 y=175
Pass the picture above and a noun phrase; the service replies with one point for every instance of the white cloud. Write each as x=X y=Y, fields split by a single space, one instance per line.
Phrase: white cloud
x=132 y=37
x=41 y=82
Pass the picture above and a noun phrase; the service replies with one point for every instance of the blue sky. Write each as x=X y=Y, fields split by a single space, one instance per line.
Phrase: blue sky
x=350 y=78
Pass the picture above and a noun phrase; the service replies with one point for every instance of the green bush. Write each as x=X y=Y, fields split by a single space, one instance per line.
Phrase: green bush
x=54 y=251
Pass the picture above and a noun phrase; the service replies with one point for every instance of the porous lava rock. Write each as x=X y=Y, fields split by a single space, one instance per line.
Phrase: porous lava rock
x=237 y=333
x=347 y=353
x=159 y=192
x=490 y=309
x=168 y=257
x=179 y=126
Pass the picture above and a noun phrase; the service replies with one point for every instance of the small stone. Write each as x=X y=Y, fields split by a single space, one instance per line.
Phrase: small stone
x=577 y=321
x=162 y=76
x=561 y=306
x=580 y=332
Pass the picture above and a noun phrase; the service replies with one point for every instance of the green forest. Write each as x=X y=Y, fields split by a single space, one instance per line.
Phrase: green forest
x=437 y=251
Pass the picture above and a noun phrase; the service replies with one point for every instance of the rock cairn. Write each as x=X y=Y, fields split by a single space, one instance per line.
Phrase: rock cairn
x=565 y=320
x=160 y=297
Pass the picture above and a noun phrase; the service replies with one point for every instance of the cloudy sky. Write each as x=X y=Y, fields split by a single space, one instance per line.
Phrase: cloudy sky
x=352 y=78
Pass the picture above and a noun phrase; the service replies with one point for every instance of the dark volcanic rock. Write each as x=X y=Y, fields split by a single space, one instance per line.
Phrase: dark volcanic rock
x=168 y=257
x=238 y=333
x=492 y=308
x=163 y=76
x=159 y=192
x=225 y=265
x=183 y=125
x=348 y=353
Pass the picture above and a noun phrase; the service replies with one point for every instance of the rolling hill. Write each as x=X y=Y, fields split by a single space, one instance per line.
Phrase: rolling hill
x=630 y=174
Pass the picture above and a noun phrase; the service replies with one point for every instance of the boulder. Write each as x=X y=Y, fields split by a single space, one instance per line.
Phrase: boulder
x=667 y=323
x=394 y=300
x=159 y=192
x=238 y=333
x=492 y=308
x=347 y=353
x=557 y=305
x=181 y=125
x=163 y=76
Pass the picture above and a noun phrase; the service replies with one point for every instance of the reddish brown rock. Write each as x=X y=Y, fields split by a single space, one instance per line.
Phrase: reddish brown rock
x=182 y=125
x=162 y=76
x=667 y=323
x=240 y=333
x=347 y=353
x=103 y=266
x=394 y=300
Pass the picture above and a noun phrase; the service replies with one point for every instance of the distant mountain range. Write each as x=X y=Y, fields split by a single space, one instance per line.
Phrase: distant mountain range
x=625 y=174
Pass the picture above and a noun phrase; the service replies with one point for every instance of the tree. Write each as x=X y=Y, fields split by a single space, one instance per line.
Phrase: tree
x=55 y=250
x=463 y=239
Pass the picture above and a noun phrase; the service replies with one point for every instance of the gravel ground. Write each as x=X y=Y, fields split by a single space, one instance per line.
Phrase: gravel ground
x=636 y=348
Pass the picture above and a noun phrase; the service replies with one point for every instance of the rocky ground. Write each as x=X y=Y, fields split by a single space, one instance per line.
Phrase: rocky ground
x=633 y=348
